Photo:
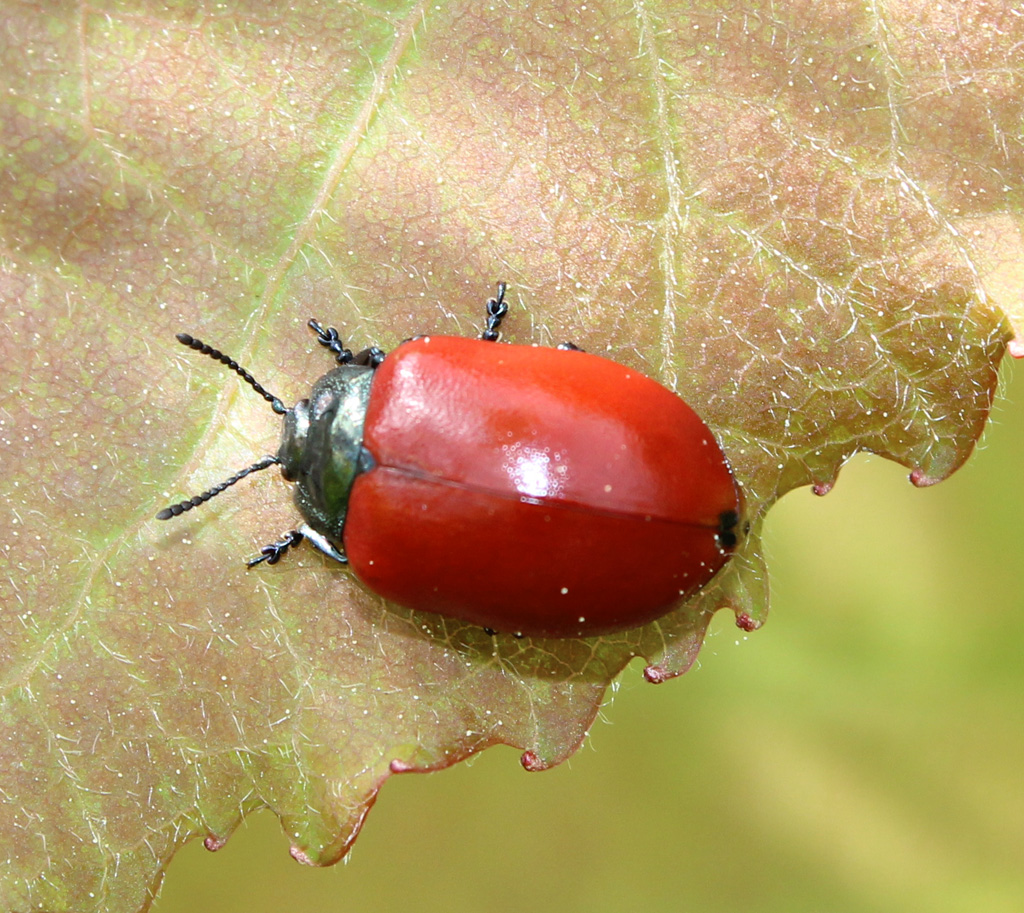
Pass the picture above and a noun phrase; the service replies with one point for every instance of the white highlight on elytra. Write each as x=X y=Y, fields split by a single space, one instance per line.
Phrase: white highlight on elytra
x=536 y=472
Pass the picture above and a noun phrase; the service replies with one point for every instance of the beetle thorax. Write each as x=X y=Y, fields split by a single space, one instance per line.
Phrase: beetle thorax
x=322 y=446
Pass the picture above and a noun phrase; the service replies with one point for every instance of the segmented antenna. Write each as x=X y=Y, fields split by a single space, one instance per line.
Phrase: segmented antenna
x=217 y=355
x=176 y=510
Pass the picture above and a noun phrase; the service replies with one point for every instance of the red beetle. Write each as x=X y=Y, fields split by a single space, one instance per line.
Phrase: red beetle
x=545 y=492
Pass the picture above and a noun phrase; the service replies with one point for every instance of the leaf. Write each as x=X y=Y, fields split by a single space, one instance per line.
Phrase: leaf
x=807 y=220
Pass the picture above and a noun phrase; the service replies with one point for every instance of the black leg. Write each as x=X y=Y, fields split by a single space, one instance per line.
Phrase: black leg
x=490 y=632
x=728 y=520
x=496 y=311
x=272 y=553
x=371 y=356
x=331 y=341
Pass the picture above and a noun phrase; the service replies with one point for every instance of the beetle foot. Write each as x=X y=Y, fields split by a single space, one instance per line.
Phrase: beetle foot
x=490 y=632
x=272 y=553
x=331 y=341
x=497 y=308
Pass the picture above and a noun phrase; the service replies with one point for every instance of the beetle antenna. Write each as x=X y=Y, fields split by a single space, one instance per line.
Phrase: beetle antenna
x=176 y=510
x=217 y=355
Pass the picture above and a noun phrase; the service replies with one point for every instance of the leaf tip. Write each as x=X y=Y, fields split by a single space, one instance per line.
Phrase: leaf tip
x=920 y=479
x=300 y=855
x=658 y=675
x=746 y=623
x=214 y=842
x=533 y=762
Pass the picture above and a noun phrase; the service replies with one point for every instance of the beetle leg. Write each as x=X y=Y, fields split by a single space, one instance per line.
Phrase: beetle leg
x=321 y=542
x=728 y=520
x=490 y=632
x=272 y=553
x=496 y=311
x=371 y=356
x=331 y=341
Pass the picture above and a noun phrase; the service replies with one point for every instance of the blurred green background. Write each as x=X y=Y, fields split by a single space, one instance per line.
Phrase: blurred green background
x=864 y=751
